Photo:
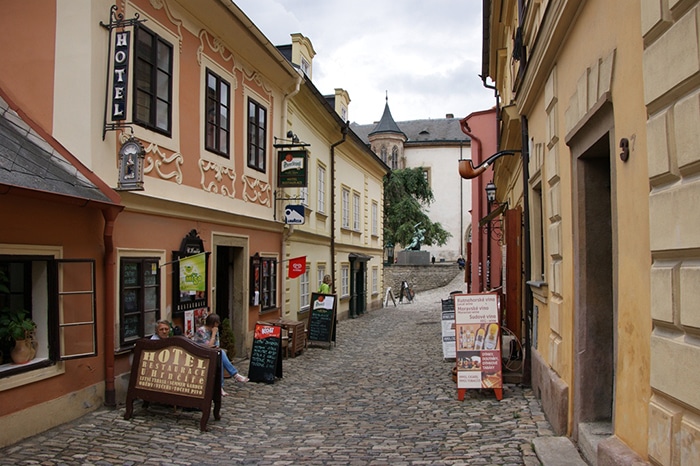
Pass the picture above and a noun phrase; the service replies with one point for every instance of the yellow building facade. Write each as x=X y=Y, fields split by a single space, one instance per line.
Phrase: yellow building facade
x=600 y=99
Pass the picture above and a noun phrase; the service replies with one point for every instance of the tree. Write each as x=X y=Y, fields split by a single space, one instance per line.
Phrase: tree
x=406 y=195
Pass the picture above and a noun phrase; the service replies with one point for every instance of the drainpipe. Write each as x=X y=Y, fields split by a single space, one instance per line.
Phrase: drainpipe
x=464 y=126
x=110 y=266
x=529 y=302
x=286 y=232
x=344 y=131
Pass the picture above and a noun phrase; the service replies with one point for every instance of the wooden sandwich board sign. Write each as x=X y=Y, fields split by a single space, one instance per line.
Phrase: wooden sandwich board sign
x=478 y=348
x=322 y=317
x=266 y=353
x=176 y=371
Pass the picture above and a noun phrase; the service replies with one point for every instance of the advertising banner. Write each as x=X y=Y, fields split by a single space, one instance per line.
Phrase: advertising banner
x=478 y=348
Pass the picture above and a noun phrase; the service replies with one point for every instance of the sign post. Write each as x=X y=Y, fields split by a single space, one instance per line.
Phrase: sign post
x=176 y=371
x=478 y=348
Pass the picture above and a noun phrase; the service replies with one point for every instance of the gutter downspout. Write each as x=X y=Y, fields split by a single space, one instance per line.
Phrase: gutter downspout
x=110 y=265
x=285 y=235
x=464 y=126
x=344 y=131
x=529 y=301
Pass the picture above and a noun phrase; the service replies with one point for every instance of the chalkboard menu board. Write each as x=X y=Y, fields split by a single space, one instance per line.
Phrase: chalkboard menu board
x=266 y=354
x=322 y=316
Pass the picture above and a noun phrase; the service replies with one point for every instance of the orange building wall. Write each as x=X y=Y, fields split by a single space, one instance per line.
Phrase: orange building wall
x=27 y=57
x=79 y=231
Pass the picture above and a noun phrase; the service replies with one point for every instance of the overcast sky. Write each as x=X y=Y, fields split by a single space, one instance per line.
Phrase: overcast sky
x=426 y=54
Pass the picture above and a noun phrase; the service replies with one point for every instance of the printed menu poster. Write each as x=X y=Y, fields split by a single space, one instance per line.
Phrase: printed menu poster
x=478 y=345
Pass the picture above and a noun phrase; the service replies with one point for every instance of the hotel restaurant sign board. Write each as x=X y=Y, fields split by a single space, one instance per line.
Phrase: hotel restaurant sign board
x=175 y=371
x=292 y=168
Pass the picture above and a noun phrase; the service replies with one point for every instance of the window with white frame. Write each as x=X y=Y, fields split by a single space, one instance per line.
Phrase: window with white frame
x=304 y=195
x=345 y=280
x=257 y=135
x=218 y=114
x=58 y=296
x=375 y=279
x=153 y=81
x=375 y=218
x=321 y=173
x=139 y=298
x=304 y=291
x=356 y=211
x=345 y=208
x=321 y=272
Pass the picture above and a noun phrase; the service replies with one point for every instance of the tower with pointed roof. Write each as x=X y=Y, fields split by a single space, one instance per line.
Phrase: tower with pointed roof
x=387 y=140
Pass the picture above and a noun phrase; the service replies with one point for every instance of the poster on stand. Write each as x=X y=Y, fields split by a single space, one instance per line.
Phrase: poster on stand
x=478 y=347
x=448 y=329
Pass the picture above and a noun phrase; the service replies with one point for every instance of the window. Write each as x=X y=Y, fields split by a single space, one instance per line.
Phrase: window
x=320 y=273
x=153 y=63
x=375 y=280
x=218 y=114
x=383 y=154
x=257 y=135
x=321 y=189
x=356 y=211
x=345 y=280
x=304 y=195
x=305 y=66
x=263 y=282
x=345 y=208
x=139 y=298
x=304 y=291
x=394 y=158
x=59 y=297
x=375 y=218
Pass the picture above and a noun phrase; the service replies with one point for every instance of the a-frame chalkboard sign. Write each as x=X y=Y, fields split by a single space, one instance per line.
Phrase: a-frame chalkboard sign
x=266 y=354
x=322 y=318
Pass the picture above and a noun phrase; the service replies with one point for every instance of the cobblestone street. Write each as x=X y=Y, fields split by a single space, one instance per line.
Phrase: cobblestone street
x=382 y=395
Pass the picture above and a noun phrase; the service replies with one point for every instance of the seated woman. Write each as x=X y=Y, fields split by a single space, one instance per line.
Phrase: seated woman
x=208 y=335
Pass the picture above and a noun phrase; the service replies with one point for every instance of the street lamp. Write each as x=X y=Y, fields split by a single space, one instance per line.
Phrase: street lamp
x=389 y=250
x=490 y=192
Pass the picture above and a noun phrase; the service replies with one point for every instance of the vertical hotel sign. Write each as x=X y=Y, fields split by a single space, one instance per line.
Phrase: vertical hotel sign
x=117 y=80
x=120 y=76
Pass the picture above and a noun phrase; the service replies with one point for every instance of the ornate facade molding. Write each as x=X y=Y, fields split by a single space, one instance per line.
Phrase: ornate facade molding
x=223 y=181
x=255 y=190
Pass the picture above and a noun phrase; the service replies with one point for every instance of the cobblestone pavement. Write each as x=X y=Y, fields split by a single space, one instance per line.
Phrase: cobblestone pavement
x=382 y=396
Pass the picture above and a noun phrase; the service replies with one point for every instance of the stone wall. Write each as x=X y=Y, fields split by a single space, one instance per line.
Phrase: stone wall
x=420 y=277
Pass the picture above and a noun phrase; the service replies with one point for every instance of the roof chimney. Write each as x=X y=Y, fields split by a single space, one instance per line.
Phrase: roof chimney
x=450 y=115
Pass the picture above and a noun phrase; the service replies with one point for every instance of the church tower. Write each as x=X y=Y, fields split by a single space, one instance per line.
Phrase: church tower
x=387 y=140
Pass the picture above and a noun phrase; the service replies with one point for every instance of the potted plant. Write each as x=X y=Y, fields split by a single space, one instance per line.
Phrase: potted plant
x=16 y=329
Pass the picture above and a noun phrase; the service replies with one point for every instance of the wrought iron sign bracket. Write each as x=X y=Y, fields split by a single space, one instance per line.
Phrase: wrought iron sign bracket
x=117 y=82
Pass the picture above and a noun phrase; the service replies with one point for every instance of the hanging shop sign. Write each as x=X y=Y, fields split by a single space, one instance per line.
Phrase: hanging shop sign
x=292 y=168
x=190 y=266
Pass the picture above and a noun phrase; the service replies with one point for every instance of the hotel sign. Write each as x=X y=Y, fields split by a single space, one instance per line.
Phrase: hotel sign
x=120 y=77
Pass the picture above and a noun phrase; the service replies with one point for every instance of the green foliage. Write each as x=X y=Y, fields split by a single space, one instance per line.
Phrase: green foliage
x=14 y=324
x=406 y=195
x=226 y=338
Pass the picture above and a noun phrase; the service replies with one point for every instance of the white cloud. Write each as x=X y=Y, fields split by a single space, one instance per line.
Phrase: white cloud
x=425 y=54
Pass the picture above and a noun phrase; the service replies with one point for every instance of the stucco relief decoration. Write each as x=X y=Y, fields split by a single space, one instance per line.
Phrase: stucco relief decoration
x=161 y=4
x=255 y=190
x=217 y=179
x=255 y=77
x=216 y=46
x=166 y=166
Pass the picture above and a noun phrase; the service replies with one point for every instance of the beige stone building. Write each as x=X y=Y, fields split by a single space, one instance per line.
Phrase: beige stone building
x=601 y=100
